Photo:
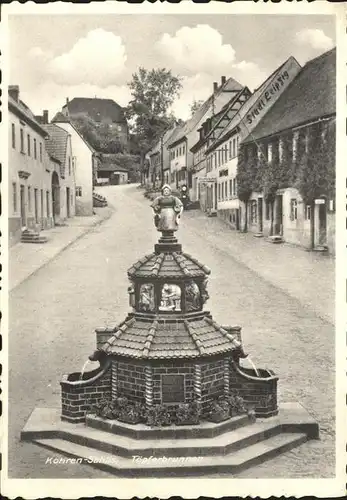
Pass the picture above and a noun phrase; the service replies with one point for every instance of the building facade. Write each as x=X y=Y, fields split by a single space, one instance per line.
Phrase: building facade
x=85 y=164
x=300 y=127
x=186 y=136
x=223 y=134
x=59 y=148
x=37 y=180
x=158 y=171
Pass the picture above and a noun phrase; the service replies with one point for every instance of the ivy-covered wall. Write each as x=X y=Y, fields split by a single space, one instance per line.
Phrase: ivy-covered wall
x=302 y=160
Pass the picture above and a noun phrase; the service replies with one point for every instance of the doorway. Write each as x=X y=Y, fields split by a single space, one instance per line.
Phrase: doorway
x=55 y=196
x=68 y=202
x=260 y=214
x=36 y=206
x=23 y=217
x=279 y=215
x=322 y=224
x=42 y=216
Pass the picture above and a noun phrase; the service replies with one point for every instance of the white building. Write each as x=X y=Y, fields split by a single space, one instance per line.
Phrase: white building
x=85 y=166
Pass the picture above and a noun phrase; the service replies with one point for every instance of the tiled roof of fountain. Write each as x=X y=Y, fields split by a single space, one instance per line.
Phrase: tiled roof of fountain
x=161 y=339
x=168 y=265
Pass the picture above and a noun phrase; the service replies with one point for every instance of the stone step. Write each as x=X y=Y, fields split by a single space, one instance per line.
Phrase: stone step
x=179 y=466
x=34 y=239
x=127 y=447
x=141 y=431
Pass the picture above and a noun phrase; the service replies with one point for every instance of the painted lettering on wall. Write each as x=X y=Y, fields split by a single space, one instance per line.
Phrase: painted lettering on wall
x=269 y=94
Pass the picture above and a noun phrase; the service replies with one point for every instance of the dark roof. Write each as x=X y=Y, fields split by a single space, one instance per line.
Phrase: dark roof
x=22 y=110
x=56 y=144
x=109 y=167
x=168 y=265
x=60 y=118
x=162 y=339
x=97 y=109
x=109 y=163
x=220 y=98
x=311 y=95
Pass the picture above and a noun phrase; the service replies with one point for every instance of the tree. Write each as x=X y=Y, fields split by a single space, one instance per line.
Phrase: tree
x=153 y=93
x=195 y=106
x=316 y=168
x=100 y=137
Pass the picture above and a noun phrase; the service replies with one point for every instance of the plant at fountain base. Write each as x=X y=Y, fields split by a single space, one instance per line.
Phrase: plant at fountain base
x=120 y=409
x=159 y=415
x=188 y=413
x=226 y=407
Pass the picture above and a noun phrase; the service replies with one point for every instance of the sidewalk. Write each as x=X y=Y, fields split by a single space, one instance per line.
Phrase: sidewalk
x=308 y=277
x=26 y=258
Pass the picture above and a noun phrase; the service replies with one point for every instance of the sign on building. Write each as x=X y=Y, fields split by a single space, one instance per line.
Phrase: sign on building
x=207 y=180
x=280 y=81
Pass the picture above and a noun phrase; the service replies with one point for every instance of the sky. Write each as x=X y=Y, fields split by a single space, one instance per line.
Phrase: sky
x=54 y=57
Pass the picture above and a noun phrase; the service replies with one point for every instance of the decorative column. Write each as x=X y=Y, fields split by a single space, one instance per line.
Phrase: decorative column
x=114 y=379
x=226 y=369
x=197 y=382
x=148 y=386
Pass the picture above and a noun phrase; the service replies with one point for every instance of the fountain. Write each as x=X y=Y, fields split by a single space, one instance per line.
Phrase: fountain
x=167 y=373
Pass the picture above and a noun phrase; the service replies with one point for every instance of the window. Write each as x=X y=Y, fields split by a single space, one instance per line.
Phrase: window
x=230 y=188
x=13 y=136
x=172 y=388
x=293 y=209
x=237 y=145
x=219 y=191
x=235 y=186
x=226 y=189
x=267 y=210
x=21 y=140
x=14 y=196
x=308 y=212
x=29 y=198
x=234 y=148
x=29 y=149
x=184 y=150
x=78 y=191
x=280 y=150
x=222 y=186
x=269 y=152
x=35 y=149
x=69 y=165
x=230 y=150
x=295 y=144
x=41 y=151
x=253 y=211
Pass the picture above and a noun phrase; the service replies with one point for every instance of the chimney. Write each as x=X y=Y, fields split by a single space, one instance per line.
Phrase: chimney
x=45 y=116
x=215 y=87
x=13 y=90
x=67 y=100
x=223 y=80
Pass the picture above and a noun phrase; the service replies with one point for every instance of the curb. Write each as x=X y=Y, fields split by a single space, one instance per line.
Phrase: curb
x=66 y=246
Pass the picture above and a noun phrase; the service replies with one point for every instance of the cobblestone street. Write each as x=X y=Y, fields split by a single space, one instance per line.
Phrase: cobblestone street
x=286 y=311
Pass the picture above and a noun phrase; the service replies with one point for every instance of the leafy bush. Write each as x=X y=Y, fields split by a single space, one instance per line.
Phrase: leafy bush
x=188 y=412
x=158 y=416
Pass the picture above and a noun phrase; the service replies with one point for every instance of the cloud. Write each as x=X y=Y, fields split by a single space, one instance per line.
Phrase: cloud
x=248 y=74
x=195 y=50
x=316 y=38
x=52 y=96
x=97 y=59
